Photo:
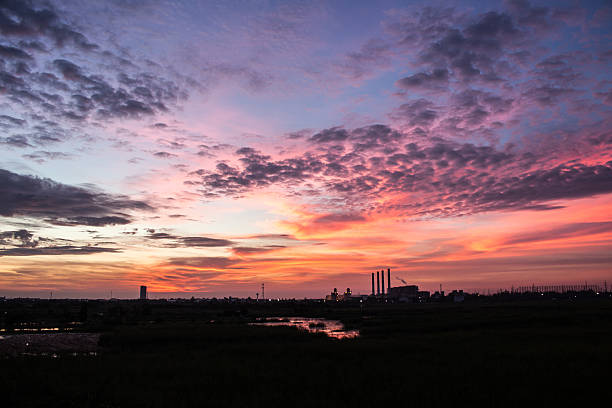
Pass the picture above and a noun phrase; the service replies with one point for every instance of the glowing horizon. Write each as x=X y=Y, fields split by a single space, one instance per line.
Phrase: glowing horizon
x=203 y=150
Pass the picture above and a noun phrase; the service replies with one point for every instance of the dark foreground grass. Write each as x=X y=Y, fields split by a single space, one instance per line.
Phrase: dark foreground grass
x=522 y=354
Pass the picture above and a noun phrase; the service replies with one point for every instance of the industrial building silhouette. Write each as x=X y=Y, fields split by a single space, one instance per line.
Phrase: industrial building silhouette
x=406 y=293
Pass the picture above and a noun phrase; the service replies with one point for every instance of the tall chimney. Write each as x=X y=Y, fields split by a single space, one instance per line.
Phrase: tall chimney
x=382 y=275
x=388 y=279
x=373 y=284
x=377 y=283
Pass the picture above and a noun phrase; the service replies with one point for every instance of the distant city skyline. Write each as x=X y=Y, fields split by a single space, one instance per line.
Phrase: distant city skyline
x=203 y=149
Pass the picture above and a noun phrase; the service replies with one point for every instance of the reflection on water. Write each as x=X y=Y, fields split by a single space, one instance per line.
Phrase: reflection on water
x=40 y=327
x=333 y=328
x=37 y=329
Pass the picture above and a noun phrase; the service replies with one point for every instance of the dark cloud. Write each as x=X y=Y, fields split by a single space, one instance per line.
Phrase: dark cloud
x=193 y=241
x=20 y=238
x=472 y=99
x=566 y=231
x=418 y=113
x=172 y=144
x=332 y=135
x=146 y=95
x=267 y=241
x=72 y=90
x=373 y=54
x=556 y=260
x=160 y=235
x=205 y=242
x=300 y=134
x=29 y=196
x=450 y=48
x=122 y=107
x=21 y=19
x=437 y=79
x=338 y=218
x=571 y=180
x=203 y=262
x=211 y=151
x=474 y=50
x=438 y=177
x=604 y=138
x=42 y=156
x=259 y=171
x=33 y=45
x=491 y=76
x=12 y=52
x=56 y=250
x=246 y=251
x=40 y=137
x=374 y=137
x=468 y=192
x=164 y=155
x=19 y=141
x=334 y=221
x=11 y=121
x=91 y=221
x=536 y=17
x=467 y=111
x=70 y=71
x=23 y=243
x=272 y=236
x=548 y=95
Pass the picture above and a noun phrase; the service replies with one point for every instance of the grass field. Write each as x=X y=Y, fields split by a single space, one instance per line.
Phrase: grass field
x=503 y=354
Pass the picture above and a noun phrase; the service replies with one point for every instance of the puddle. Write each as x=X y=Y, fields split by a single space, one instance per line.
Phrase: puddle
x=332 y=328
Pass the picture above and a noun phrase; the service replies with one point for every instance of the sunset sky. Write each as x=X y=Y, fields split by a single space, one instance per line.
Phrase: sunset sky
x=204 y=148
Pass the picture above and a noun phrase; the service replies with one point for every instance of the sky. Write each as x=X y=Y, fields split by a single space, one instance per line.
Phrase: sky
x=204 y=148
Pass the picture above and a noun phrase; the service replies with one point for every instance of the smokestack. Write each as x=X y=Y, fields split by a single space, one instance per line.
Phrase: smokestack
x=382 y=274
x=377 y=283
x=388 y=279
x=373 y=284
